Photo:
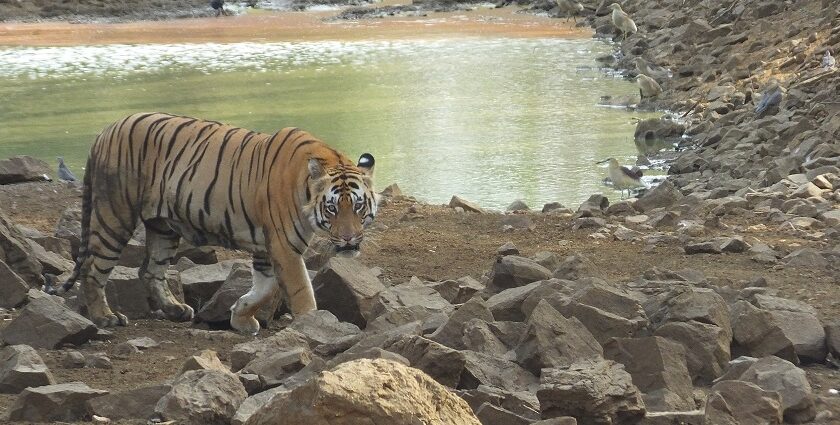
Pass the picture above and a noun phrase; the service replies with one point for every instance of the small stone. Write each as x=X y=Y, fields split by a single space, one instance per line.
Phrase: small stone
x=98 y=361
x=73 y=359
x=143 y=343
x=507 y=249
x=22 y=367
x=468 y=206
x=204 y=360
x=518 y=205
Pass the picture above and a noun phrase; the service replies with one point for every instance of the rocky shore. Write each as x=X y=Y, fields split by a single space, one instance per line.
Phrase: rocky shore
x=711 y=299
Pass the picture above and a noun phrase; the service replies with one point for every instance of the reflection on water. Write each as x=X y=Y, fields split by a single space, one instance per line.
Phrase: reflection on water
x=490 y=119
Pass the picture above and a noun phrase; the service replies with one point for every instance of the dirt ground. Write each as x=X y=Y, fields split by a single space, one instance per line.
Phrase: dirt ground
x=437 y=243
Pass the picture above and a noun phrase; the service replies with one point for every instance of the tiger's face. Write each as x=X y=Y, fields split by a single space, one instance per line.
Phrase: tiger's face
x=343 y=202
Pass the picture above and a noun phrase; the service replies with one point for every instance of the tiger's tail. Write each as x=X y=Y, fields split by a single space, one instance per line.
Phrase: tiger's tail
x=81 y=258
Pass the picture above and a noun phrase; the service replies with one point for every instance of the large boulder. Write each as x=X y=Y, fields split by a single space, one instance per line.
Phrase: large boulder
x=202 y=397
x=664 y=195
x=413 y=293
x=349 y=290
x=131 y=296
x=236 y=284
x=367 y=391
x=45 y=323
x=24 y=168
x=138 y=403
x=322 y=327
x=511 y=271
x=16 y=252
x=508 y=304
x=485 y=369
x=774 y=374
x=277 y=366
x=551 y=340
x=12 y=287
x=658 y=368
x=742 y=403
x=442 y=363
x=22 y=367
x=202 y=281
x=244 y=353
x=52 y=403
x=451 y=333
x=776 y=326
x=593 y=391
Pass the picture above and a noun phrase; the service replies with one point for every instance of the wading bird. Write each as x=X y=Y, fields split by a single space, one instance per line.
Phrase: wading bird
x=64 y=173
x=218 y=6
x=648 y=87
x=570 y=7
x=623 y=178
x=622 y=21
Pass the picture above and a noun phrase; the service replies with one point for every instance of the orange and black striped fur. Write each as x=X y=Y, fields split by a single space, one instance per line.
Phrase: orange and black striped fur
x=214 y=184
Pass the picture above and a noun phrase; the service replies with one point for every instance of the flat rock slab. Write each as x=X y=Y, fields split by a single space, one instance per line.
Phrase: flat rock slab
x=50 y=403
x=44 y=323
x=138 y=403
x=22 y=367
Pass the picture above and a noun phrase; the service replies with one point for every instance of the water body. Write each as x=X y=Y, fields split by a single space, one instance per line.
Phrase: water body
x=491 y=119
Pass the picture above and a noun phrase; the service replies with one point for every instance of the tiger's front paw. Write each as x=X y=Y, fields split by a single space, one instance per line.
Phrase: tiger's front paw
x=247 y=325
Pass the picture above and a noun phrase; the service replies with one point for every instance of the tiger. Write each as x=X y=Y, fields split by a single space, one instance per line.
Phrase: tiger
x=216 y=184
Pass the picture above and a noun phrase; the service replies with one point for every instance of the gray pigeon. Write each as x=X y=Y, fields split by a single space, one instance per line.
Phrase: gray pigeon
x=64 y=173
x=828 y=61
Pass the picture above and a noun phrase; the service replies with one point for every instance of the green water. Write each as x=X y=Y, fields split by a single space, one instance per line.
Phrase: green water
x=489 y=119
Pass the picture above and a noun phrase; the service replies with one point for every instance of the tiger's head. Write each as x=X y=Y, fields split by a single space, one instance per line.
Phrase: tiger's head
x=343 y=203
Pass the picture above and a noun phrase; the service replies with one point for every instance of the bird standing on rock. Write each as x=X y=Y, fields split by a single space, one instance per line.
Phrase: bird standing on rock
x=771 y=97
x=623 y=178
x=828 y=61
x=622 y=21
x=64 y=173
x=648 y=87
x=570 y=7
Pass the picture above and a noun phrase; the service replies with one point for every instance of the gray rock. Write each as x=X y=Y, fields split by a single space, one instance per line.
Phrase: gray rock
x=72 y=359
x=457 y=291
x=138 y=403
x=244 y=353
x=204 y=360
x=806 y=258
x=478 y=335
x=22 y=367
x=547 y=259
x=51 y=403
x=44 y=323
x=507 y=305
x=658 y=368
x=129 y=295
x=349 y=290
x=275 y=367
x=742 y=403
x=143 y=343
x=16 y=252
x=774 y=374
x=593 y=391
x=98 y=361
x=12 y=287
x=237 y=283
x=552 y=340
x=593 y=207
x=512 y=271
x=756 y=333
x=517 y=205
x=24 y=168
x=442 y=363
x=791 y=321
x=664 y=195
x=507 y=249
x=523 y=404
x=322 y=327
x=706 y=347
x=832 y=338
x=485 y=369
x=551 y=206
x=256 y=402
x=574 y=267
x=69 y=227
x=451 y=333
x=708 y=247
x=202 y=397
x=411 y=294
x=489 y=414
x=202 y=281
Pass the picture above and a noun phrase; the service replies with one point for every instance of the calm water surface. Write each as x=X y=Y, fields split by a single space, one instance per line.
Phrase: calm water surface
x=489 y=119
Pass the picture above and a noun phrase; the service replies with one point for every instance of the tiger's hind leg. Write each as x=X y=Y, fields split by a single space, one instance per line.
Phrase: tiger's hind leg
x=107 y=238
x=263 y=289
x=161 y=245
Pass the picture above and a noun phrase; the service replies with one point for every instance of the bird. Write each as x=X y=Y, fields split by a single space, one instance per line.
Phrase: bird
x=828 y=61
x=648 y=87
x=653 y=71
x=622 y=21
x=623 y=178
x=570 y=7
x=218 y=6
x=771 y=97
x=64 y=173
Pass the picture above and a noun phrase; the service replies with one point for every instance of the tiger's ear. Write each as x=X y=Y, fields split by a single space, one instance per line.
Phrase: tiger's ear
x=316 y=169
x=366 y=163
